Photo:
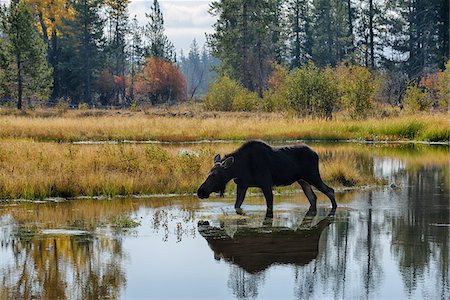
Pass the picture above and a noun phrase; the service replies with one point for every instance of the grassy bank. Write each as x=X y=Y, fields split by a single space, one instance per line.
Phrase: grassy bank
x=190 y=126
x=38 y=170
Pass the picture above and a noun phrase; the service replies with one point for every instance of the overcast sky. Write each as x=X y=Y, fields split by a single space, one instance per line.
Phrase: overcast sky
x=183 y=20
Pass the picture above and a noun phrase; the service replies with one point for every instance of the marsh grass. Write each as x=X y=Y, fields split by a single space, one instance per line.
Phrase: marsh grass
x=182 y=127
x=38 y=170
x=125 y=222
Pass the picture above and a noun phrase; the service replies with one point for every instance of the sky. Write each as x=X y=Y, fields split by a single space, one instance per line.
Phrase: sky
x=183 y=20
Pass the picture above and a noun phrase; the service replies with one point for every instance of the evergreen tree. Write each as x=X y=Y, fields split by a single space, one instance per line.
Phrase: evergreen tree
x=117 y=29
x=50 y=16
x=194 y=73
x=331 y=40
x=23 y=59
x=299 y=21
x=136 y=53
x=81 y=54
x=159 y=45
x=417 y=37
x=242 y=41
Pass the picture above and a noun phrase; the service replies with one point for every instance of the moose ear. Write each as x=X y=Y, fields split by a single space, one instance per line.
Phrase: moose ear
x=217 y=158
x=228 y=162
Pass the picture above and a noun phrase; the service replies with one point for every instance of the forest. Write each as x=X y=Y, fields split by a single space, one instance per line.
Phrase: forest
x=311 y=57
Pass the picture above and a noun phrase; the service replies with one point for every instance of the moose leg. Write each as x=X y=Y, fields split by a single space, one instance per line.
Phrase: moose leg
x=321 y=186
x=267 y=191
x=309 y=194
x=240 y=195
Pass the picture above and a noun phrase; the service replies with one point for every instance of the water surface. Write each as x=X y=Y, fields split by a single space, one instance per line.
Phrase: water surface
x=382 y=243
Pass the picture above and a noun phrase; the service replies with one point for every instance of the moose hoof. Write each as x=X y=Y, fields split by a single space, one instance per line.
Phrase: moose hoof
x=269 y=214
x=239 y=211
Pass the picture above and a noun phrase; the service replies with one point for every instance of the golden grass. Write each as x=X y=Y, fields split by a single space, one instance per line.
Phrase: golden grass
x=38 y=170
x=180 y=127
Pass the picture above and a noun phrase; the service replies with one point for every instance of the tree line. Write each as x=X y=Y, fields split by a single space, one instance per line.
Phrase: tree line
x=401 y=40
x=91 y=52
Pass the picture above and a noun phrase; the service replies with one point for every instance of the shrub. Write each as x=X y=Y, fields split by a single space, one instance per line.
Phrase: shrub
x=62 y=106
x=222 y=92
x=443 y=87
x=415 y=99
x=356 y=87
x=436 y=85
x=277 y=77
x=160 y=82
x=245 y=101
x=83 y=106
x=308 y=91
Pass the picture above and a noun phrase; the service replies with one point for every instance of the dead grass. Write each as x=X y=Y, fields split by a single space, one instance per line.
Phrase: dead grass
x=180 y=126
x=38 y=170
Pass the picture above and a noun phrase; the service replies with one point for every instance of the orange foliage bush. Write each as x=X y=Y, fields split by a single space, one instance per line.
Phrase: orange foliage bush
x=277 y=77
x=160 y=82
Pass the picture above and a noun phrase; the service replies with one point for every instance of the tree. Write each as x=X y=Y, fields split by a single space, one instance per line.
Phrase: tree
x=417 y=37
x=136 y=53
x=160 y=82
x=331 y=39
x=116 y=41
x=159 y=45
x=299 y=23
x=194 y=70
x=50 y=15
x=24 y=55
x=243 y=40
x=81 y=52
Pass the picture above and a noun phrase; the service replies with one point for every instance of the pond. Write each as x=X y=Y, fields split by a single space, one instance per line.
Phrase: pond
x=389 y=241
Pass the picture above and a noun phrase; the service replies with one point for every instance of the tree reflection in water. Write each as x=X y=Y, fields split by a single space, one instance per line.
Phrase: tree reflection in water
x=63 y=266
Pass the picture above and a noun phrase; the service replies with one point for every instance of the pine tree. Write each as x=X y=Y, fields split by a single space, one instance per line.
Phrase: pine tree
x=299 y=32
x=194 y=72
x=417 y=36
x=330 y=32
x=81 y=52
x=50 y=15
x=242 y=41
x=26 y=71
x=117 y=18
x=159 y=45
x=136 y=53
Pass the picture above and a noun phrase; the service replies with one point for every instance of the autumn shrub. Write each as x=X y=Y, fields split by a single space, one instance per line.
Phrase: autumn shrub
x=222 y=92
x=160 y=82
x=245 y=101
x=308 y=91
x=62 y=106
x=106 y=87
x=83 y=106
x=357 y=88
x=272 y=101
x=437 y=87
x=443 y=87
x=415 y=99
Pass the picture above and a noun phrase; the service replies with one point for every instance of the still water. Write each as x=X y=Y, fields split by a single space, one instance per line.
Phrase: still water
x=382 y=243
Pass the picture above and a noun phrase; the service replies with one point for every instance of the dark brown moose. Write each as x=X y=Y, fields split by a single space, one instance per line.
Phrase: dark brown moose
x=255 y=249
x=257 y=164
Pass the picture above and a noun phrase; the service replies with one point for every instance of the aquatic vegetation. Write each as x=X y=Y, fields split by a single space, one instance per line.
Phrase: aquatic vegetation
x=125 y=222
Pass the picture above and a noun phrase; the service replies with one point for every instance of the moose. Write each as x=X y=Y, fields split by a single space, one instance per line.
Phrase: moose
x=257 y=164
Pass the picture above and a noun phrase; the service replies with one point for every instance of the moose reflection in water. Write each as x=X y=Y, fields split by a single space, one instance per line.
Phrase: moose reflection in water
x=255 y=249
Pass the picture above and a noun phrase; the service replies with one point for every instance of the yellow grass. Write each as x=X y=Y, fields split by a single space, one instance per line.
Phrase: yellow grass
x=37 y=170
x=189 y=126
